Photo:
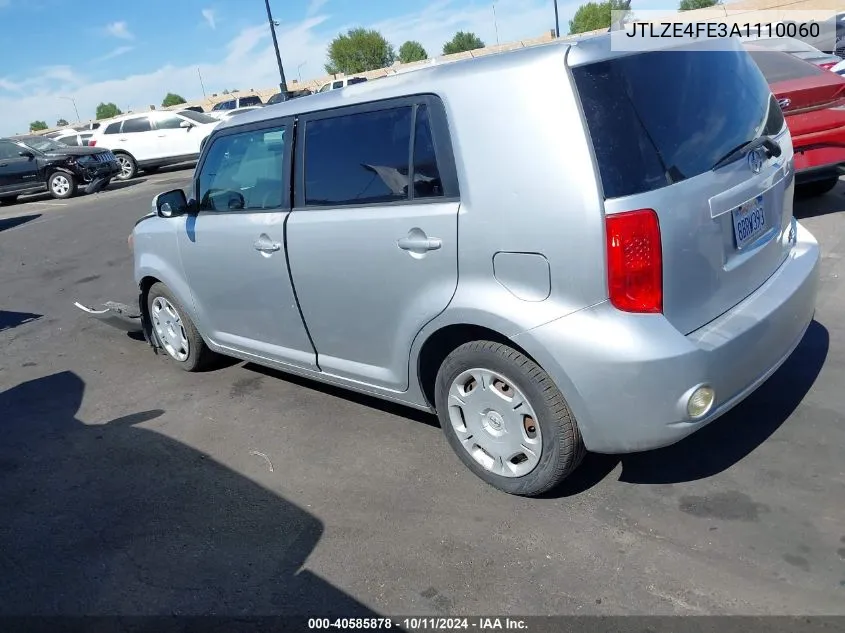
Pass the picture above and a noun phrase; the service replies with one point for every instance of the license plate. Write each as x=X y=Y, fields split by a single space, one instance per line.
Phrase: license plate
x=749 y=222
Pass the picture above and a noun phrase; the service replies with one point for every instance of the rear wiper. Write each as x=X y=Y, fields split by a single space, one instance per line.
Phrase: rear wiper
x=767 y=142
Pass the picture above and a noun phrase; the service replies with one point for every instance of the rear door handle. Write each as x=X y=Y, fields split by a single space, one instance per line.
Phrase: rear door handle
x=265 y=245
x=420 y=243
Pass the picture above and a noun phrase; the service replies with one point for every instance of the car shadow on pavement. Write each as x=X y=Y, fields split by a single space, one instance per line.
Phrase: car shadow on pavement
x=10 y=319
x=10 y=223
x=811 y=207
x=117 y=518
x=113 y=186
x=724 y=442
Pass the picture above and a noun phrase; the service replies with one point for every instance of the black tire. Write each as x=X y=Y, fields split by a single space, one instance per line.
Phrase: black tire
x=131 y=167
x=8 y=199
x=562 y=447
x=151 y=170
x=816 y=187
x=199 y=357
x=61 y=185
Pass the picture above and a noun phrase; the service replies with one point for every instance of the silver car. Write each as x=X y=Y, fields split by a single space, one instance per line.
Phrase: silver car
x=607 y=261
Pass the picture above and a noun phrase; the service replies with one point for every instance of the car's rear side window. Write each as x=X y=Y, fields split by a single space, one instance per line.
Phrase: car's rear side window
x=777 y=66
x=72 y=141
x=359 y=158
x=113 y=128
x=138 y=124
x=660 y=117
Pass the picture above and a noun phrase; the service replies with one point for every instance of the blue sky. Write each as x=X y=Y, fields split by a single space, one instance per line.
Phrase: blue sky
x=133 y=53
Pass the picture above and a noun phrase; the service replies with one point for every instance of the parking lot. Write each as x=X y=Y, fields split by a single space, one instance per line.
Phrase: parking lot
x=129 y=487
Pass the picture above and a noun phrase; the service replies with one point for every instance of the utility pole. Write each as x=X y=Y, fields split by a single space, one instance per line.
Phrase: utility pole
x=201 y=83
x=495 y=23
x=73 y=101
x=557 y=21
x=283 y=85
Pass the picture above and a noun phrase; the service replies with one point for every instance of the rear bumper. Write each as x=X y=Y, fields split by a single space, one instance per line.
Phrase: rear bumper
x=627 y=377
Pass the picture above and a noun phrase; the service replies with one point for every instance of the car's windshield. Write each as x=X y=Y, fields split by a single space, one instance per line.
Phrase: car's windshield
x=197 y=117
x=41 y=144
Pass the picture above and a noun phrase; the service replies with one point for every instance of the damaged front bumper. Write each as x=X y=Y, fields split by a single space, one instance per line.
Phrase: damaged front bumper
x=123 y=317
x=118 y=315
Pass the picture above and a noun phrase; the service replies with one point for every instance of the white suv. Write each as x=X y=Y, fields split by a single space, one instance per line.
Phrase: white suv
x=153 y=139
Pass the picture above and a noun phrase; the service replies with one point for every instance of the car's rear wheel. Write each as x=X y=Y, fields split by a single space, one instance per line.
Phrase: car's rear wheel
x=506 y=419
x=128 y=167
x=817 y=187
x=175 y=332
x=8 y=199
x=62 y=185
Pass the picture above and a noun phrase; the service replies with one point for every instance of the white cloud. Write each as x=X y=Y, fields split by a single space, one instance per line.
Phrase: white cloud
x=314 y=6
x=119 y=30
x=210 y=17
x=117 y=52
x=249 y=61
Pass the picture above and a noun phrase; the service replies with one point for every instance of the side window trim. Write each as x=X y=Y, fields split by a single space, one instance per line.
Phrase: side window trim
x=440 y=139
x=288 y=123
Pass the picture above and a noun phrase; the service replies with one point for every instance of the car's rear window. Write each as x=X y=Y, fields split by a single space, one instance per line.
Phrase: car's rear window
x=777 y=66
x=660 y=117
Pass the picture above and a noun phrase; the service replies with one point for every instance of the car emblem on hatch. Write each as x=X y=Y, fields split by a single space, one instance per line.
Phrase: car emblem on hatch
x=784 y=103
x=755 y=160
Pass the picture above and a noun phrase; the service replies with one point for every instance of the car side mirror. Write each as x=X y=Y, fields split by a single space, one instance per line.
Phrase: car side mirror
x=186 y=124
x=170 y=203
x=26 y=154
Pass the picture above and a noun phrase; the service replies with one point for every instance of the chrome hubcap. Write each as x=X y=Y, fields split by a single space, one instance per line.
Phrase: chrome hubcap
x=61 y=185
x=495 y=423
x=125 y=166
x=169 y=329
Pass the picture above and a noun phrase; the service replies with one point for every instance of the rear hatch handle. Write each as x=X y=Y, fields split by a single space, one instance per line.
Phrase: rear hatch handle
x=766 y=142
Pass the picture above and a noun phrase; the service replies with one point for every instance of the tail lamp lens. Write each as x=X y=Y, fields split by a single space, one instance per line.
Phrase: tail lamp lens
x=92 y=143
x=635 y=261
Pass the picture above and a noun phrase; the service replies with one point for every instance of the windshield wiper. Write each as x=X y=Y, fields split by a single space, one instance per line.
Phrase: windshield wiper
x=767 y=142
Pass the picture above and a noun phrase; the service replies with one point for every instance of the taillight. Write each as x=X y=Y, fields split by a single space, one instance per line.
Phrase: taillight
x=92 y=143
x=634 y=261
x=828 y=65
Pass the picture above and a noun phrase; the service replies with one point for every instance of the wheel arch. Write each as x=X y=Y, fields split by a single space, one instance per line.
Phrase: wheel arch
x=441 y=342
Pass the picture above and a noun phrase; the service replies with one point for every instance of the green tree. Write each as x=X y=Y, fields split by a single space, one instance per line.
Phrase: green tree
x=412 y=51
x=171 y=100
x=596 y=15
x=37 y=125
x=61 y=123
x=107 y=111
x=689 y=5
x=462 y=42
x=357 y=51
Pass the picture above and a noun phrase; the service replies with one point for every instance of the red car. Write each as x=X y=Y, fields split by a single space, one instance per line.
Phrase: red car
x=813 y=102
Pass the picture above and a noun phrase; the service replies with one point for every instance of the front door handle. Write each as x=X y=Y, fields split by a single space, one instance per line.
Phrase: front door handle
x=420 y=244
x=265 y=245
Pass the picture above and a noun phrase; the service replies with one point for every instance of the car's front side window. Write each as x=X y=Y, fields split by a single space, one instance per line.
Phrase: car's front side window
x=244 y=171
x=168 y=122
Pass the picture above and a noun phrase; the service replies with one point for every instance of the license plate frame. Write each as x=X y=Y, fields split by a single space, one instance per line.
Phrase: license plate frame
x=749 y=222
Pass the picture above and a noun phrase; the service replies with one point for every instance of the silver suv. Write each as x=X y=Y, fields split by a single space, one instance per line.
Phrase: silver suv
x=607 y=263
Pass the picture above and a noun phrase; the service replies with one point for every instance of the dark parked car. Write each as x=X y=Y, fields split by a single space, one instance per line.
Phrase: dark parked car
x=31 y=164
x=292 y=94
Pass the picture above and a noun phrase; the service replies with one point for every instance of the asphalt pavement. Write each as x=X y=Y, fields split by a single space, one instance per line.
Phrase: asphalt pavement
x=130 y=487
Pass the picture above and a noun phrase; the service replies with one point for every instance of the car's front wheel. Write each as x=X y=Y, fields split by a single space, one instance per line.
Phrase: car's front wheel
x=506 y=419
x=174 y=330
x=61 y=185
x=128 y=167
